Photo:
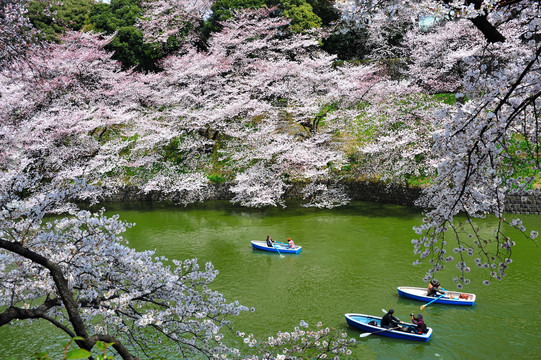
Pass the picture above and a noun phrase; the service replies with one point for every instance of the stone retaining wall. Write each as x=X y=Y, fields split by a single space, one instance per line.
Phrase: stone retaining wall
x=361 y=191
x=518 y=204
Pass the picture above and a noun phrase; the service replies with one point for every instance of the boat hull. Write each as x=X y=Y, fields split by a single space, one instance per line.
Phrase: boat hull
x=418 y=293
x=283 y=248
x=361 y=321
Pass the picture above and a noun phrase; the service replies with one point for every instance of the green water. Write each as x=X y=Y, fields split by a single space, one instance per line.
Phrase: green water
x=353 y=259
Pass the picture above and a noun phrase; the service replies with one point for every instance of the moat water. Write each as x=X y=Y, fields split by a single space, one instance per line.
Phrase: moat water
x=353 y=259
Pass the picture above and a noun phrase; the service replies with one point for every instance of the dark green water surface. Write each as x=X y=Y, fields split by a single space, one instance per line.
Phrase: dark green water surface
x=353 y=259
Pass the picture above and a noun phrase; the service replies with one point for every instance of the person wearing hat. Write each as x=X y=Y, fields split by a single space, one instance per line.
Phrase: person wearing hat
x=420 y=326
x=389 y=321
x=434 y=289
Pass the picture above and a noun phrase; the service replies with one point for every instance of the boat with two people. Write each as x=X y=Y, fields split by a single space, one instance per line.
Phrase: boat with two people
x=372 y=325
x=277 y=246
x=448 y=297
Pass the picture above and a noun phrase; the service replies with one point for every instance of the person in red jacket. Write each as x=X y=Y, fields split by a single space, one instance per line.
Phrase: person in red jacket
x=420 y=324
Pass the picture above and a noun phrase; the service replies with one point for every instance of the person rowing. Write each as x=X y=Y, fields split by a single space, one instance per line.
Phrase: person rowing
x=390 y=321
x=434 y=289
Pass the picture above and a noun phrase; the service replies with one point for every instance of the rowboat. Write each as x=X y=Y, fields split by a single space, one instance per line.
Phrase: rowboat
x=369 y=323
x=278 y=247
x=450 y=298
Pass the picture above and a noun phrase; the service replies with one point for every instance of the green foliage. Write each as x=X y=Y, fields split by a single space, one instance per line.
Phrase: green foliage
x=49 y=28
x=446 y=98
x=348 y=44
x=131 y=50
x=70 y=14
x=217 y=178
x=171 y=153
x=78 y=353
x=301 y=14
x=522 y=158
x=128 y=44
x=74 y=13
x=417 y=181
x=110 y=17
x=325 y=10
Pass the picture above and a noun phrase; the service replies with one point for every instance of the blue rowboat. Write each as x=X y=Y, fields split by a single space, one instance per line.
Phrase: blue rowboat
x=369 y=323
x=450 y=298
x=283 y=248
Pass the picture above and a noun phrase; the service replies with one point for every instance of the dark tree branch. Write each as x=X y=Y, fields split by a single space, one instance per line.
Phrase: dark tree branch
x=15 y=313
x=66 y=299
x=61 y=283
x=117 y=345
x=492 y=35
x=481 y=22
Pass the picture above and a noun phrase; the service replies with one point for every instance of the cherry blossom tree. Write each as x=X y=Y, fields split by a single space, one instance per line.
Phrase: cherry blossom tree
x=78 y=274
x=264 y=104
x=165 y=20
x=398 y=118
x=63 y=109
x=261 y=97
x=486 y=146
x=436 y=55
x=17 y=34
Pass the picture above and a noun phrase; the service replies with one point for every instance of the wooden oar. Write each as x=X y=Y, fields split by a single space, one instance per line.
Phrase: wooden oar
x=377 y=332
x=425 y=305
x=278 y=251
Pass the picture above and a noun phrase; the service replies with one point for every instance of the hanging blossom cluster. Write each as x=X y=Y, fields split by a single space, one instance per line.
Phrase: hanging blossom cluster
x=302 y=343
x=17 y=34
x=485 y=147
x=325 y=195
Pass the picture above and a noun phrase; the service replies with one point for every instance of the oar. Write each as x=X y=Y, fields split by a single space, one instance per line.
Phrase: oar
x=377 y=332
x=278 y=251
x=425 y=305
